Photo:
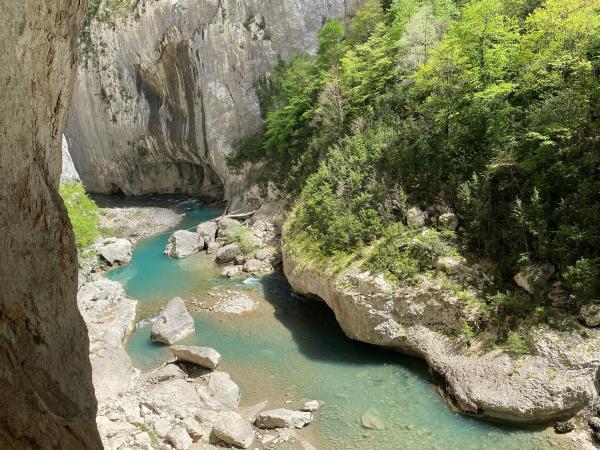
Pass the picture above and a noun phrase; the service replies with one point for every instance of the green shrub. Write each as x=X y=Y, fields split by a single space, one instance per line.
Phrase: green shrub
x=83 y=213
x=242 y=236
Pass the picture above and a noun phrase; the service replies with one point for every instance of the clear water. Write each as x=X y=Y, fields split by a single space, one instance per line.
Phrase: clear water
x=291 y=349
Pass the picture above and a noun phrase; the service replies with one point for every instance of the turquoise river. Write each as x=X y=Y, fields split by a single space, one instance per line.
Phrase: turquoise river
x=291 y=349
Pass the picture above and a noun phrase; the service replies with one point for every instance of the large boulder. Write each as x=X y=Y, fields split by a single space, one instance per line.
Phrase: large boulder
x=201 y=356
x=207 y=231
x=590 y=314
x=173 y=323
x=184 y=243
x=448 y=221
x=228 y=253
x=416 y=218
x=116 y=251
x=283 y=418
x=534 y=278
x=233 y=429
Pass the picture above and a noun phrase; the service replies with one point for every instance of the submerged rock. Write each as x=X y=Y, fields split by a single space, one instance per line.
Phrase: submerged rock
x=311 y=406
x=372 y=421
x=201 y=356
x=173 y=323
x=564 y=427
x=184 y=243
x=233 y=429
x=116 y=251
x=283 y=418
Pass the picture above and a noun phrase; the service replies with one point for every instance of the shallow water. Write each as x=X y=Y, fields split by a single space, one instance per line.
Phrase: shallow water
x=292 y=349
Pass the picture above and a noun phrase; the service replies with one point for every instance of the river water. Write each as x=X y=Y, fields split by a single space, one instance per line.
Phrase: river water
x=291 y=349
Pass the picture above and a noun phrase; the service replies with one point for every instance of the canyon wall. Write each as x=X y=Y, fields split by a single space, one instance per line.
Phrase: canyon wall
x=169 y=88
x=46 y=389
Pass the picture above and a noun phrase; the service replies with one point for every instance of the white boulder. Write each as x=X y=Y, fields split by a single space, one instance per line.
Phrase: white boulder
x=173 y=323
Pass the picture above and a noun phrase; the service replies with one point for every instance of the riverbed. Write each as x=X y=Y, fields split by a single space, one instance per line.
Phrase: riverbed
x=290 y=349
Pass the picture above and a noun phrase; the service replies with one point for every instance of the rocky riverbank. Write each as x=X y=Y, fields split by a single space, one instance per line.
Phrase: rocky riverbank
x=555 y=381
x=184 y=404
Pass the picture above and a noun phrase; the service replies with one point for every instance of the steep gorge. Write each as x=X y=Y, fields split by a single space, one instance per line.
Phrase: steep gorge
x=47 y=394
x=169 y=88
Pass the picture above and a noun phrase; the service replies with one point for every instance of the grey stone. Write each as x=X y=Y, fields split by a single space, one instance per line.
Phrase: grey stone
x=117 y=252
x=183 y=243
x=416 y=218
x=450 y=264
x=448 y=221
x=564 y=427
x=227 y=253
x=179 y=438
x=255 y=266
x=283 y=418
x=590 y=314
x=201 y=356
x=68 y=173
x=534 y=278
x=311 y=406
x=173 y=323
x=233 y=429
x=207 y=231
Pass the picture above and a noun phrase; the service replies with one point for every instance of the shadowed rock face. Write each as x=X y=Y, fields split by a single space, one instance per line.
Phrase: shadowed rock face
x=46 y=389
x=171 y=89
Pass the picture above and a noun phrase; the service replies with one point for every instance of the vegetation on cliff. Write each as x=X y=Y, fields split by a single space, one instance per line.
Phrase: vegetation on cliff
x=488 y=108
x=83 y=212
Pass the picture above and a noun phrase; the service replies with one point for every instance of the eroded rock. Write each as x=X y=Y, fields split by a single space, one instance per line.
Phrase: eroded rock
x=116 y=251
x=184 y=243
x=233 y=429
x=173 y=323
x=283 y=418
x=201 y=356
x=227 y=253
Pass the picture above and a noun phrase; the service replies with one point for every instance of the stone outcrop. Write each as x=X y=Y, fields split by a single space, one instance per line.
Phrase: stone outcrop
x=183 y=243
x=47 y=395
x=556 y=381
x=169 y=88
x=173 y=323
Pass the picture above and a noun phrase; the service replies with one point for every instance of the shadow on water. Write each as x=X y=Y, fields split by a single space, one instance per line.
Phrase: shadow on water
x=319 y=337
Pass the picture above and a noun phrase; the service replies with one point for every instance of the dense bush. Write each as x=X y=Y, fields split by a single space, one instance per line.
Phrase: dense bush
x=83 y=213
x=488 y=107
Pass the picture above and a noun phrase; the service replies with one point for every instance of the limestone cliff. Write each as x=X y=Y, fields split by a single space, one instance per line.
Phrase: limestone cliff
x=170 y=87
x=556 y=381
x=46 y=390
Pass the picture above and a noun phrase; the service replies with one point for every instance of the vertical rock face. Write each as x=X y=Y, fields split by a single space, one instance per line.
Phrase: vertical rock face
x=170 y=87
x=46 y=389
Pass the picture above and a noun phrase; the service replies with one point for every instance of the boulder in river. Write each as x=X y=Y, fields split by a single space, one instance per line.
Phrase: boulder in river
x=201 y=356
x=184 y=243
x=372 y=421
x=283 y=418
x=227 y=253
x=116 y=251
x=173 y=323
x=207 y=231
x=233 y=429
